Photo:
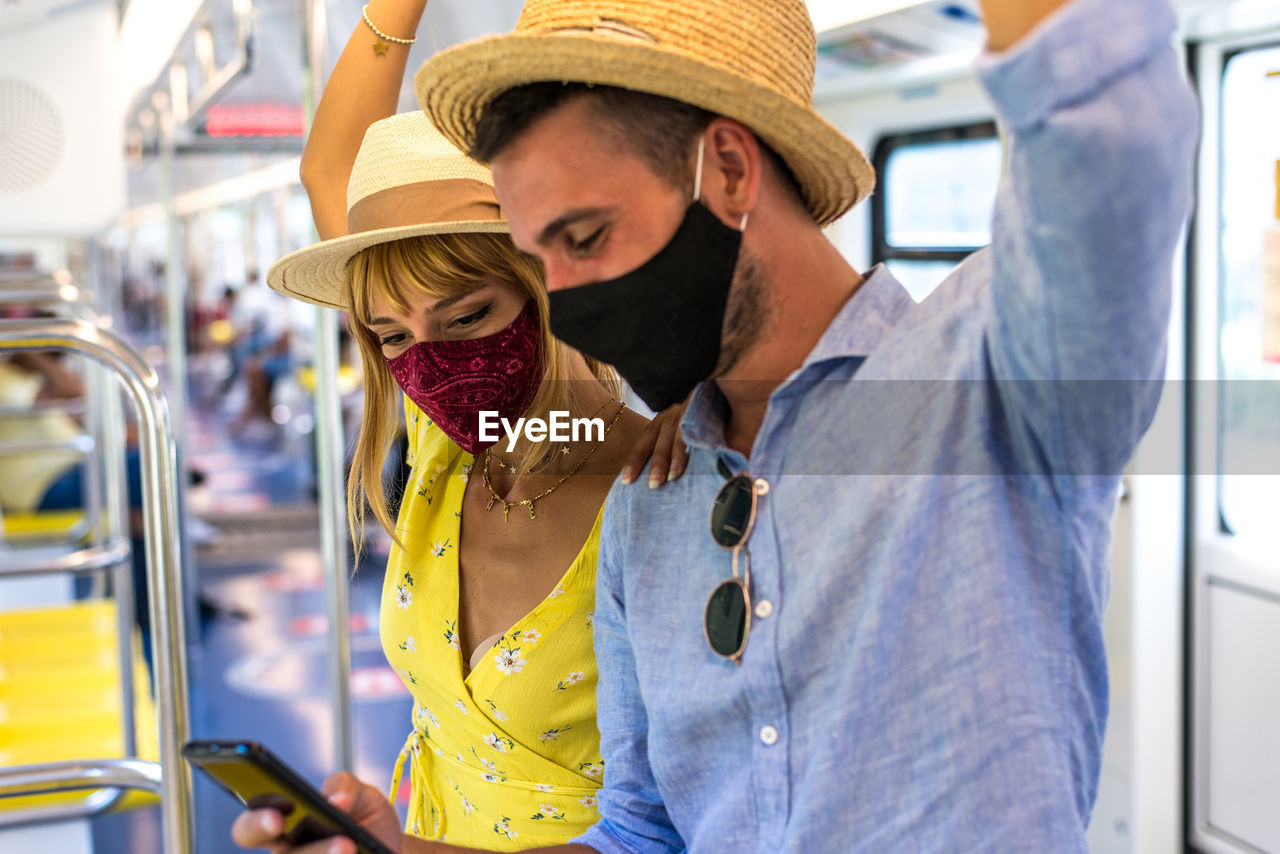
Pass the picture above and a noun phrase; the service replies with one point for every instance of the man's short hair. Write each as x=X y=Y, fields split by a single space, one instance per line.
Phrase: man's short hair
x=659 y=130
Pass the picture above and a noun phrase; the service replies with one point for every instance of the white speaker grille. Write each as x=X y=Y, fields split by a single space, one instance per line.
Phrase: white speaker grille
x=31 y=136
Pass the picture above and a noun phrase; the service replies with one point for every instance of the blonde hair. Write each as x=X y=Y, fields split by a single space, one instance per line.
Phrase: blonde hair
x=440 y=266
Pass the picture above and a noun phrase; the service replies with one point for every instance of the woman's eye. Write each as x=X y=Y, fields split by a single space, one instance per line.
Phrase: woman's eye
x=589 y=242
x=392 y=340
x=471 y=319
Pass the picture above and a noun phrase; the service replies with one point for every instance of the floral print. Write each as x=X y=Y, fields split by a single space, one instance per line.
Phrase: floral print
x=553 y=734
x=546 y=811
x=509 y=661
x=572 y=679
x=403 y=598
x=503 y=828
x=497 y=742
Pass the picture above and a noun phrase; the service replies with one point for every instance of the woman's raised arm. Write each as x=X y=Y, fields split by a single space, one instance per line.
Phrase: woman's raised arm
x=364 y=87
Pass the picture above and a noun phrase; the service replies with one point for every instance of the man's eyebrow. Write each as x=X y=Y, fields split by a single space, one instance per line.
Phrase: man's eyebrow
x=566 y=219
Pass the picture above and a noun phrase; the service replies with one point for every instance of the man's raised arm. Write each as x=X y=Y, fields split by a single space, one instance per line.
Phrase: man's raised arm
x=1101 y=129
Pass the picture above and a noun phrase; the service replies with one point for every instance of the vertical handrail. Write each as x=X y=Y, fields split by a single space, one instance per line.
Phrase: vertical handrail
x=160 y=522
x=330 y=452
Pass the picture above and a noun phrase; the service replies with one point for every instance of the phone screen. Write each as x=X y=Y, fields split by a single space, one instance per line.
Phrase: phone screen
x=259 y=780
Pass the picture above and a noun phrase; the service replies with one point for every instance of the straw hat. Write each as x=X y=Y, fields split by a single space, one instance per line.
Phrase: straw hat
x=750 y=60
x=407 y=181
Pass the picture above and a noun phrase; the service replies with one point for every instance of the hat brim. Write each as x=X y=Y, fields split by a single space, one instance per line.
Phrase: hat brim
x=455 y=86
x=318 y=273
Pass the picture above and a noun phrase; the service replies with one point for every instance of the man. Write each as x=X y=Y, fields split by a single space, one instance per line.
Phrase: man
x=903 y=650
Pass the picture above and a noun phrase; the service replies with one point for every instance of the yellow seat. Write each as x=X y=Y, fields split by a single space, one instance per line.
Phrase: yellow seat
x=41 y=525
x=60 y=695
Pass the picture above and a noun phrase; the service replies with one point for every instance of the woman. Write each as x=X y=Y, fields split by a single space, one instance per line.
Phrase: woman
x=486 y=615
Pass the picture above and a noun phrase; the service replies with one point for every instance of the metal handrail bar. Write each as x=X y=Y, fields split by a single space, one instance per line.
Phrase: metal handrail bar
x=108 y=778
x=92 y=803
x=330 y=447
x=162 y=540
x=42 y=560
x=46 y=777
x=82 y=444
x=52 y=293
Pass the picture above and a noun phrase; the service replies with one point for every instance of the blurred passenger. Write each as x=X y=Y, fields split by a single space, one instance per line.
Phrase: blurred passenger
x=262 y=350
x=489 y=592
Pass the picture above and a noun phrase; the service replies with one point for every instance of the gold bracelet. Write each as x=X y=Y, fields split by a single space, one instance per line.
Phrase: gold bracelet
x=364 y=13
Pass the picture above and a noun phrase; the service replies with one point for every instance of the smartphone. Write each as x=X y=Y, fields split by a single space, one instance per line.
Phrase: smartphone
x=259 y=779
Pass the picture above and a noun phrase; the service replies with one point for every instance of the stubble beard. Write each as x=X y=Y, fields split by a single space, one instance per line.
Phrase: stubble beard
x=746 y=314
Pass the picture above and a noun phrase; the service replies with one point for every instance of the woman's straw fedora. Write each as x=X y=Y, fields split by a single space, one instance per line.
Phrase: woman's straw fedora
x=750 y=60
x=407 y=181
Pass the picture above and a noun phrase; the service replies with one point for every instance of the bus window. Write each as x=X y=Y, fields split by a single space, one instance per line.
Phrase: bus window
x=1249 y=398
x=933 y=207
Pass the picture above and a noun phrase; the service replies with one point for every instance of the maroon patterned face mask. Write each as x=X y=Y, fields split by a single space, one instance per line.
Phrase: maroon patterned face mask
x=453 y=381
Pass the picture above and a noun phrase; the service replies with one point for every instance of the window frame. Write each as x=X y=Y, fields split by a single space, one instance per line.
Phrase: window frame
x=885 y=146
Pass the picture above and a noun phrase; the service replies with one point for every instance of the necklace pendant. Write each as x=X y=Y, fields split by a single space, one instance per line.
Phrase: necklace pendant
x=531 y=513
x=506 y=512
x=489 y=506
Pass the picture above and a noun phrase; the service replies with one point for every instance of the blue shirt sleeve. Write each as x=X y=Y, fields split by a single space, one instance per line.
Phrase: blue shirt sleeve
x=633 y=819
x=1101 y=131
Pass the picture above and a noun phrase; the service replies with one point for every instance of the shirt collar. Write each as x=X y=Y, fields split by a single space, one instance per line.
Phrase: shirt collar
x=859 y=326
x=864 y=319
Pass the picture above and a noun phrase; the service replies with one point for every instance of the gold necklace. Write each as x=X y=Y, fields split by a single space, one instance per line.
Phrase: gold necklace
x=495 y=498
x=513 y=468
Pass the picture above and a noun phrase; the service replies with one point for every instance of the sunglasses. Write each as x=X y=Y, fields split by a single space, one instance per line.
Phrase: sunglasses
x=727 y=620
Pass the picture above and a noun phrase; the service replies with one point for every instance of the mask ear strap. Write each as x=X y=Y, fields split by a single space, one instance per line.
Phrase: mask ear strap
x=697 y=176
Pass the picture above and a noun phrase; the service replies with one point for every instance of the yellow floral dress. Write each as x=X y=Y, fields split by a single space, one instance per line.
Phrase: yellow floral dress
x=507 y=756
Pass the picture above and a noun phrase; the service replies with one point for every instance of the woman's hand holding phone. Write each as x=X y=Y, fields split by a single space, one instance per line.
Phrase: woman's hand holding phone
x=261 y=828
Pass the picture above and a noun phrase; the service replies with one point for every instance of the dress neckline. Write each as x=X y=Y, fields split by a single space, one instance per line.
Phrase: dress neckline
x=454 y=568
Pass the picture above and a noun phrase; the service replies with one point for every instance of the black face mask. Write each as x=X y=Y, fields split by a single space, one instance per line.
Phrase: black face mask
x=660 y=324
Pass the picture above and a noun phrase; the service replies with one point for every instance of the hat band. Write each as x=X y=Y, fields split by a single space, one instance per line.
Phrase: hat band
x=425 y=203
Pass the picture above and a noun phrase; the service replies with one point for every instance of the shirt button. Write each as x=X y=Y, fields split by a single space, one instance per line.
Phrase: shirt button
x=768 y=735
x=762 y=486
x=764 y=608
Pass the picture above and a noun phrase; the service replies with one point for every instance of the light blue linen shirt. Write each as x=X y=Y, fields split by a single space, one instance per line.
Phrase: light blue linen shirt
x=929 y=672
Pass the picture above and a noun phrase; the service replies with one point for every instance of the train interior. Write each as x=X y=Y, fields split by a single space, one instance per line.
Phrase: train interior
x=187 y=573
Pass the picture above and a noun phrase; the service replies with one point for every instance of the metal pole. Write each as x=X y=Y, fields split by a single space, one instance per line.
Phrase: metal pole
x=163 y=543
x=175 y=289
x=330 y=448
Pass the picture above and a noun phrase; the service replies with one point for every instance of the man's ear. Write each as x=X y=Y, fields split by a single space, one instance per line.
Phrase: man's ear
x=734 y=169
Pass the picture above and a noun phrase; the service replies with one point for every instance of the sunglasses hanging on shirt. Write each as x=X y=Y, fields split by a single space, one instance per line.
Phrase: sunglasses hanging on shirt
x=727 y=620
